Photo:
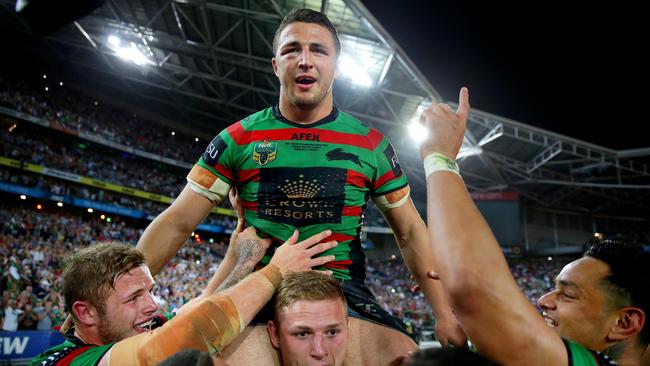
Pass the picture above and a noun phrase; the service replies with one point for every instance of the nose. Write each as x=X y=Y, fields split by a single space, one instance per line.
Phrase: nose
x=305 y=61
x=150 y=304
x=318 y=348
x=546 y=301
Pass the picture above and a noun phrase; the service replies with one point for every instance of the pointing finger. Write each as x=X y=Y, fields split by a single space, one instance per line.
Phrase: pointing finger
x=463 y=104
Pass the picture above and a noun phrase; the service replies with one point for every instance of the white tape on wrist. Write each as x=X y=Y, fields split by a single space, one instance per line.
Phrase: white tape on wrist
x=436 y=162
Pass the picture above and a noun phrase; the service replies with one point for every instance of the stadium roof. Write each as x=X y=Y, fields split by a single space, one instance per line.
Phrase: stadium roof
x=205 y=64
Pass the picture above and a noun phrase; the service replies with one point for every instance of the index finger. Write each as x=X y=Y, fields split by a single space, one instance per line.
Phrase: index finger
x=463 y=103
x=315 y=239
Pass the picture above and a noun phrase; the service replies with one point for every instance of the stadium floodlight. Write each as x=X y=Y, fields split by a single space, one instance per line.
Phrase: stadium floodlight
x=114 y=41
x=362 y=61
x=60 y=204
x=129 y=53
x=417 y=132
x=354 y=71
x=23 y=197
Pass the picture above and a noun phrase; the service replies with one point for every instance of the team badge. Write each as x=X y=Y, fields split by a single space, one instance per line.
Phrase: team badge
x=265 y=152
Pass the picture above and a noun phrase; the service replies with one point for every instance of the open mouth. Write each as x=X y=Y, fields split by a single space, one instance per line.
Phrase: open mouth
x=144 y=326
x=305 y=81
x=551 y=322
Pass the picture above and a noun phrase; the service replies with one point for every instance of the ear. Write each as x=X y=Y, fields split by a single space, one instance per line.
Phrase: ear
x=274 y=64
x=629 y=323
x=85 y=313
x=273 y=334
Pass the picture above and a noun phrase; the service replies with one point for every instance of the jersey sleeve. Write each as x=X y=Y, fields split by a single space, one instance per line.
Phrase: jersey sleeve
x=213 y=174
x=389 y=187
x=581 y=356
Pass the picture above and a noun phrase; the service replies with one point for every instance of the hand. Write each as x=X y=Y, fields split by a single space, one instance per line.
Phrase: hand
x=250 y=248
x=67 y=324
x=235 y=202
x=449 y=332
x=297 y=257
x=445 y=127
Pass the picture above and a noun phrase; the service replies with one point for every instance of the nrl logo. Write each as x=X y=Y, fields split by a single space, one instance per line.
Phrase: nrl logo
x=265 y=152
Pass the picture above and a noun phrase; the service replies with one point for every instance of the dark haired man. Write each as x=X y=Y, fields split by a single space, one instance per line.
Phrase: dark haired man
x=601 y=300
x=304 y=164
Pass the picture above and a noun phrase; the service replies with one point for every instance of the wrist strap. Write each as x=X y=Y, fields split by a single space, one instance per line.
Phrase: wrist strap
x=436 y=162
x=272 y=273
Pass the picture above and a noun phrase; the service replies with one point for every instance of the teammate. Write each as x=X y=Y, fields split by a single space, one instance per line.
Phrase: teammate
x=310 y=320
x=601 y=300
x=305 y=164
x=108 y=288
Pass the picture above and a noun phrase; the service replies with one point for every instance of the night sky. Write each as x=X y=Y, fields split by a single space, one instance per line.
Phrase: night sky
x=581 y=71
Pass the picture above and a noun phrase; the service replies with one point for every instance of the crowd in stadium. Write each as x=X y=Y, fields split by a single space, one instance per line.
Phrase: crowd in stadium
x=34 y=243
x=77 y=112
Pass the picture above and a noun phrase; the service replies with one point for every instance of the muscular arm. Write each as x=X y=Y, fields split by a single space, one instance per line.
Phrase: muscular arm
x=227 y=265
x=169 y=231
x=412 y=237
x=493 y=311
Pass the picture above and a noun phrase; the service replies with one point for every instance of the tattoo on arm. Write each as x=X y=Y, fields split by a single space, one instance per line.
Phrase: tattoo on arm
x=248 y=254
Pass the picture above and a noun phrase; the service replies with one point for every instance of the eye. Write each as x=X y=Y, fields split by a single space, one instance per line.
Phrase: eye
x=566 y=295
x=286 y=51
x=333 y=332
x=302 y=334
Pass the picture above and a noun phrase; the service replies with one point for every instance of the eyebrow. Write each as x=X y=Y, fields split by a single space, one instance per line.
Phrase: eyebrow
x=135 y=292
x=566 y=283
x=305 y=327
x=296 y=43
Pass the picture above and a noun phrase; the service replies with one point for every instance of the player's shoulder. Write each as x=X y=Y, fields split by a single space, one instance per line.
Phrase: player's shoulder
x=580 y=355
x=353 y=124
x=258 y=120
x=356 y=126
x=56 y=354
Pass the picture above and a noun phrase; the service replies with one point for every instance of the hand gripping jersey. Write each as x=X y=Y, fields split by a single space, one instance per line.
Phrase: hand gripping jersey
x=310 y=177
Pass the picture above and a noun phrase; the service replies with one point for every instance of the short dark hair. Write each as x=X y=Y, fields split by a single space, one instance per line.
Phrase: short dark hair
x=90 y=274
x=307 y=16
x=629 y=280
x=308 y=285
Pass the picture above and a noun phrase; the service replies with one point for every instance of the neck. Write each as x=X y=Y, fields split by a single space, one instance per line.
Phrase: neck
x=306 y=116
x=626 y=353
x=88 y=335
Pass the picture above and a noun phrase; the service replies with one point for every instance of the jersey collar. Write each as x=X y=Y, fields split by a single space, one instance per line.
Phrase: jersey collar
x=331 y=117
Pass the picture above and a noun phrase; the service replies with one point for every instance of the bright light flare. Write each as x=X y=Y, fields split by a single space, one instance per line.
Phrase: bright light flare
x=354 y=71
x=417 y=132
x=129 y=53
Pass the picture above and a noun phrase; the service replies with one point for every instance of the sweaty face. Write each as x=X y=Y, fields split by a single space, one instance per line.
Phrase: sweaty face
x=312 y=333
x=578 y=309
x=129 y=308
x=305 y=64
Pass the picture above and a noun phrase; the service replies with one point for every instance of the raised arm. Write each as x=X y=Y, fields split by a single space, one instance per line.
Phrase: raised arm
x=413 y=240
x=493 y=311
x=168 y=232
x=229 y=261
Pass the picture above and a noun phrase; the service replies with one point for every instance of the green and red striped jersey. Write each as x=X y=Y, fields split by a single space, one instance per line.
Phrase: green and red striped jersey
x=74 y=352
x=307 y=177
